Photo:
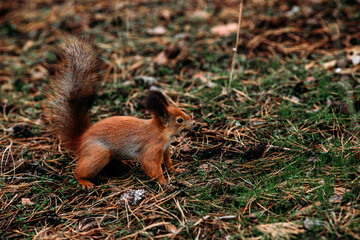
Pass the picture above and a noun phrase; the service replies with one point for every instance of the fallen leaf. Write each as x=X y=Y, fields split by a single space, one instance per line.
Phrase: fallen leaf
x=310 y=223
x=200 y=76
x=224 y=30
x=186 y=149
x=28 y=45
x=180 y=170
x=205 y=167
x=171 y=228
x=310 y=79
x=336 y=198
x=145 y=80
x=38 y=75
x=340 y=190
x=26 y=201
x=157 y=31
x=224 y=92
x=165 y=14
x=307 y=209
x=313 y=159
x=229 y=161
x=204 y=79
x=295 y=99
x=200 y=14
x=161 y=58
x=329 y=64
x=310 y=65
x=171 y=55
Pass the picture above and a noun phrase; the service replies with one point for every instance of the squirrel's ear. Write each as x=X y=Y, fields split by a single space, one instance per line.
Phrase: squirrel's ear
x=156 y=103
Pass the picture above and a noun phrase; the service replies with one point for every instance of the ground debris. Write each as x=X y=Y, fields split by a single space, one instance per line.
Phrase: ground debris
x=255 y=152
x=132 y=197
x=282 y=230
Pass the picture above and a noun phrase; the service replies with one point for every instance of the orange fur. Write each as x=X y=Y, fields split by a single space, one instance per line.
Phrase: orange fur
x=120 y=137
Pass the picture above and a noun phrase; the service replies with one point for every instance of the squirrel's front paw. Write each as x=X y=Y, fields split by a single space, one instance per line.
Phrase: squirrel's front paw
x=85 y=184
x=162 y=180
x=179 y=170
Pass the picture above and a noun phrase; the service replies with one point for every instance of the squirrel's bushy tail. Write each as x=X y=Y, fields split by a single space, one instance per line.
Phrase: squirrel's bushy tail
x=74 y=79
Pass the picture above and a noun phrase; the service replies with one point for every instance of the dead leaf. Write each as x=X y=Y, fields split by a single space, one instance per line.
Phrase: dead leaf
x=26 y=201
x=201 y=76
x=180 y=170
x=336 y=198
x=145 y=80
x=157 y=31
x=204 y=79
x=38 y=75
x=200 y=14
x=172 y=54
x=340 y=190
x=171 y=228
x=229 y=161
x=295 y=99
x=28 y=45
x=224 y=92
x=310 y=65
x=89 y=225
x=313 y=159
x=310 y=223
x=161 y=58
x=310 y=79
x=224 y=30
x=165 y=14
x=329 y=64
x=186 y=148
x=205 y=167
x=307 y=209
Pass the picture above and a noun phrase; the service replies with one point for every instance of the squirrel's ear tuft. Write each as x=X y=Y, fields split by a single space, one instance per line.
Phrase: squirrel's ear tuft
x=156 y=103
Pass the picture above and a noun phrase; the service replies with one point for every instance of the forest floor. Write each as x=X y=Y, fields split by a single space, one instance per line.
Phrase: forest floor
x=275 y=154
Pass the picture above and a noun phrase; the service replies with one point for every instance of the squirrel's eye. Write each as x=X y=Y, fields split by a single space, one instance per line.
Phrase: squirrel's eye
x=179 y=120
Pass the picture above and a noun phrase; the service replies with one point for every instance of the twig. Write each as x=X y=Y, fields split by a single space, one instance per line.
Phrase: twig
x=236 y=46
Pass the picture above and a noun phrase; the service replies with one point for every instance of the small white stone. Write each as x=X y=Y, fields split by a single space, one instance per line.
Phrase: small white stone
x=355 y=59
x=338 y=70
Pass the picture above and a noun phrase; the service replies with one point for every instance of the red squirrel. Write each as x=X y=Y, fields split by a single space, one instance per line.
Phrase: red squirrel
x=74 y=79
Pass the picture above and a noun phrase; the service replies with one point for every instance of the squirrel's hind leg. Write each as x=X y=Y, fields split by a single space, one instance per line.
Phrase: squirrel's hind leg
x=91 y=161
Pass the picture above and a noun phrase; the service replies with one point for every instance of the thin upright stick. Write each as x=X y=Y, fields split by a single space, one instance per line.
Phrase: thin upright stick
x=236 y=46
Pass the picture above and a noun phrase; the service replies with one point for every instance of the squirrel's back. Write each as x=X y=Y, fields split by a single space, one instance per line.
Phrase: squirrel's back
x=74 y=79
